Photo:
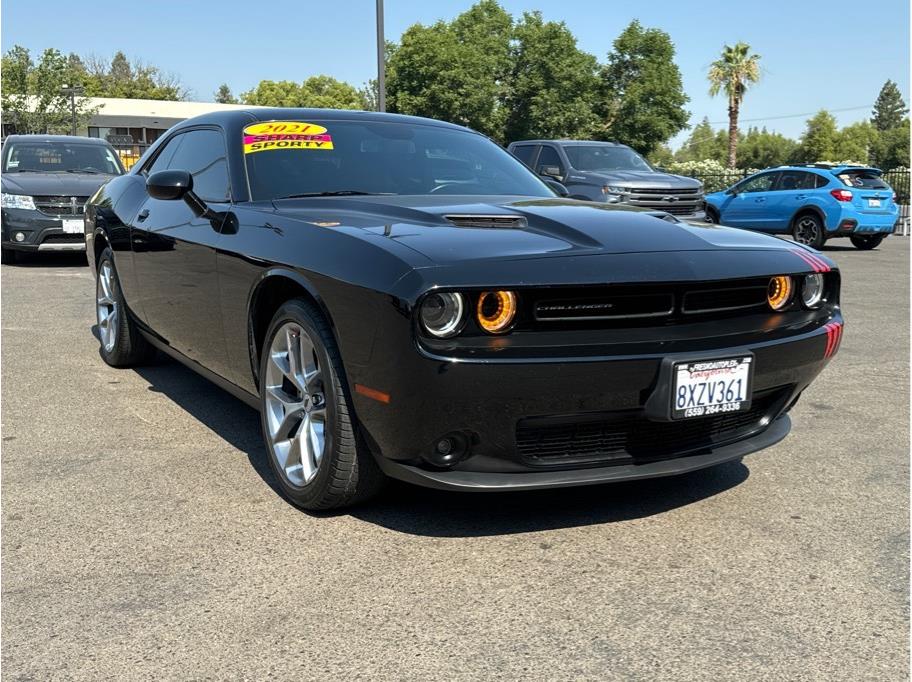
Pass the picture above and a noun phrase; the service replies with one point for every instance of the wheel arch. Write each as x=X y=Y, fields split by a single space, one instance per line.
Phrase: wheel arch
x=809 y=209
x=274 y=287
x=99 y=244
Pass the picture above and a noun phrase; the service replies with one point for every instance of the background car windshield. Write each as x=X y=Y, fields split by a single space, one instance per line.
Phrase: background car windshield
x=605 y=158
x=392 y=158
x=60 y=158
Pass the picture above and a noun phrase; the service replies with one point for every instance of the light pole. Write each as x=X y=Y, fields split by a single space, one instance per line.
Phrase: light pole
x=381 y=59
x=72 y=91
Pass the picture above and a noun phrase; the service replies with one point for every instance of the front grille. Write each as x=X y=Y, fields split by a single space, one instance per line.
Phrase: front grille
x=56 y=206
x=722 y=299
x=675 y=201
x=63 y=239
x=609 y=307
x=628 y=437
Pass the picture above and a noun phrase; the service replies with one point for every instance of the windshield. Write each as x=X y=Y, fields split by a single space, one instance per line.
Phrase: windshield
x=289 y=158
x=60 y=157
x=601 y=157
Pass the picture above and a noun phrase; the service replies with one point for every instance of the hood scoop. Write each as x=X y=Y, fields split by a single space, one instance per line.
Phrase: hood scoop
x=495 y=221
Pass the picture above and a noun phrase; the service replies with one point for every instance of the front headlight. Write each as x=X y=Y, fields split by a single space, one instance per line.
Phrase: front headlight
x=779 y=292
x=17 y=201
x=496 y=311
x=812 y=290
x=442 y=314
x=611 y=189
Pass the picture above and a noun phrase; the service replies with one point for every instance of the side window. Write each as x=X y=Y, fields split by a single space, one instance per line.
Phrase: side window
x=165 y=156
x=202 y=153
x=549 y=157
x=821 y=181
x=524 y=153
x=791 y=180
x=759 y=183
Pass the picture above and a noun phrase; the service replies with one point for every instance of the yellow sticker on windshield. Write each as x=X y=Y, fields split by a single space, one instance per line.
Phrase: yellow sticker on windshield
x=261 y=137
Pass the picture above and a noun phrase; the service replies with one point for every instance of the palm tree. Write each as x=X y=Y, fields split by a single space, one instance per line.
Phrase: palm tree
x=733 y=72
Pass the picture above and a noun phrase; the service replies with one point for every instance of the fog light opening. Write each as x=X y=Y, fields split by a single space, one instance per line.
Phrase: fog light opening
x=448 y=450
x=19 y=236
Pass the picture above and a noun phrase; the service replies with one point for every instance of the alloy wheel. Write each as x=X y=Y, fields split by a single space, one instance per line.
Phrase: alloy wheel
x=295 y=406
x=806 y=231
x=107 y=309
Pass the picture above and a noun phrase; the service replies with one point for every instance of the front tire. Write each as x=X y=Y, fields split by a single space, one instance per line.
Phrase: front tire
x=808 y=229
x=310 y=432
x=866 y=242
x=121 y=343
x=712 y=216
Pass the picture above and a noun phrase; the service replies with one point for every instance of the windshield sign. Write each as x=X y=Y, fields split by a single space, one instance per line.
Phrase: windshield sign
x=60 y=157
x=346 y=158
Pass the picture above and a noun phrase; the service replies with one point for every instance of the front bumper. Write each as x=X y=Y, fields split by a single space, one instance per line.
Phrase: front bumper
x=42 y=232
x=489 y=402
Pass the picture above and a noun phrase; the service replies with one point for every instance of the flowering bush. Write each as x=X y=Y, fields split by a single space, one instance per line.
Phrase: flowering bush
x=711 y=173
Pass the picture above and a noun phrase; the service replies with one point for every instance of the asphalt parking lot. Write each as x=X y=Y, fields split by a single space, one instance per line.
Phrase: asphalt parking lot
x=142 y=536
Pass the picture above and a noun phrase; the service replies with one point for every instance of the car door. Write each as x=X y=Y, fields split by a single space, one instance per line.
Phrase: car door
x=748 y=204
x=525 y=153
x=789 y=194
x=174 y=251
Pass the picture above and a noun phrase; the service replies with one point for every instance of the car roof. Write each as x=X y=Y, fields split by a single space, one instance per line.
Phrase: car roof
x=835 y=169
x=244 y=116
x=571 y=143
x=54 y=138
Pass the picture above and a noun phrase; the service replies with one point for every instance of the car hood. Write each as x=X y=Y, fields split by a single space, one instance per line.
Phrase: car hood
x=41 y=184
x=545 y=227
x=644 y=179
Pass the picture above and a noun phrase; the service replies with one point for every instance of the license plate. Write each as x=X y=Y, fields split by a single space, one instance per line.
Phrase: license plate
x=874 y=203
x=707 y=387
x=72 y=226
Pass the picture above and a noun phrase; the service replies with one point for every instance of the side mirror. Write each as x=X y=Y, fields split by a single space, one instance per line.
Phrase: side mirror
x=169 y=185
x=551 y=172
x=557 y=187
x=732 y=192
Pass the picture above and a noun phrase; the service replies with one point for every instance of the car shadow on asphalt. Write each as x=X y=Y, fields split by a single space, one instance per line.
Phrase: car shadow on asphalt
x=420 y=511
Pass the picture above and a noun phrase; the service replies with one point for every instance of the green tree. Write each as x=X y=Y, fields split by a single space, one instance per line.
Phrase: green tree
x=642 y=95
x=703 y=144
x=732 y=74
x=454 y=71
x=32 y=95
x=820 y=139
x=319 y=92
x=224 y=95
x=661 y=156
x=553 y=83
x=370 y=93
x=762 y=149
x=856 y=142
x=892 y=148
x=122 y=78
x=890 y=108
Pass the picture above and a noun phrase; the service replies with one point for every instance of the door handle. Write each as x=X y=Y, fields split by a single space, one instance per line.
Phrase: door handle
x=760 y=200
x=143 y=214
x=801 y=197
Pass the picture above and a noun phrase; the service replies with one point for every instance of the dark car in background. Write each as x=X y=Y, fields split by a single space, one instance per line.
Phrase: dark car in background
x=46 y=181
x=400 y=297
x=611 y=173
x=813 y=203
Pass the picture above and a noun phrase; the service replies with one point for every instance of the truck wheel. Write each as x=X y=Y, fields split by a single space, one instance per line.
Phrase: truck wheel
x=808 y=229
x=866 y=242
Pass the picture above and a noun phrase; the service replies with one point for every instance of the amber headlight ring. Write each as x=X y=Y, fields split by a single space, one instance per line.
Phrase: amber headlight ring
x=779 y=292
x=495 y=311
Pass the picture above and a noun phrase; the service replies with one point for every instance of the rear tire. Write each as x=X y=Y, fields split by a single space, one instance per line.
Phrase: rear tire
x=310 y=432
x=808 y=229
x=8 y=256
x=866 y=242
x=121 y=343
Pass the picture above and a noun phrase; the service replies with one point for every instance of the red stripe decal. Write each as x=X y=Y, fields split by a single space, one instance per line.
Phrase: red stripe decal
x=823 y=264
x=829 y=339
x=839 y=331
x=807 y=259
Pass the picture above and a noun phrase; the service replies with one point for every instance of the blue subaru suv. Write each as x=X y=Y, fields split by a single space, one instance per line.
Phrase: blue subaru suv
x=813 y=203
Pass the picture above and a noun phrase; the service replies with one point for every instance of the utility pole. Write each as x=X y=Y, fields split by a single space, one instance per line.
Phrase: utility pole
x=72 y=91
x=381 y=60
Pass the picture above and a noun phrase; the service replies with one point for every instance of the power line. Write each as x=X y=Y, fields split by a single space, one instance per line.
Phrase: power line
x=807 y=113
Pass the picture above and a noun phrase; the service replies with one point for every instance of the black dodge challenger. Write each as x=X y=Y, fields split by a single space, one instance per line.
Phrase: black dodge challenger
x=401 y=297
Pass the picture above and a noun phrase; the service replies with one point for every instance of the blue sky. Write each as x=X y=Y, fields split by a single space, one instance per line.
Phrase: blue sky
x=833 y=55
